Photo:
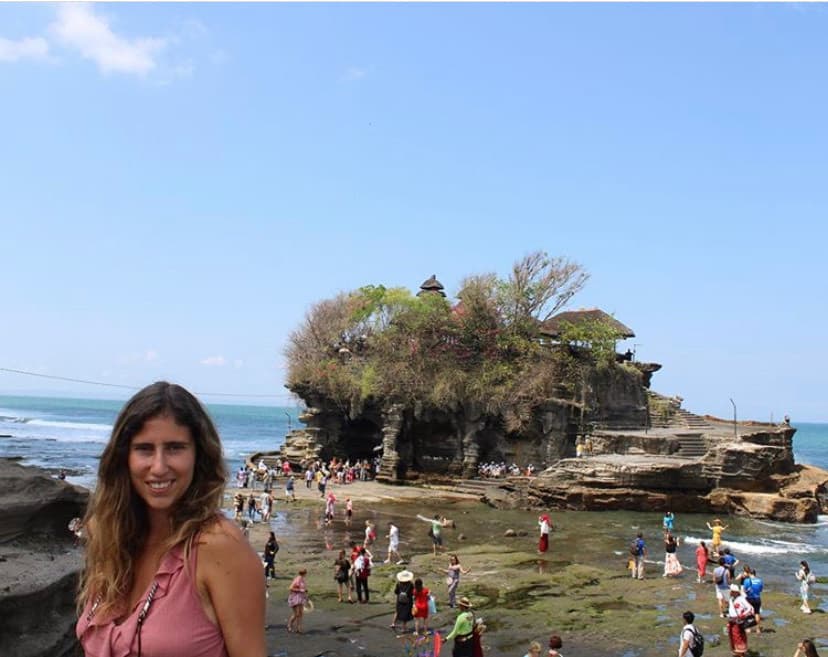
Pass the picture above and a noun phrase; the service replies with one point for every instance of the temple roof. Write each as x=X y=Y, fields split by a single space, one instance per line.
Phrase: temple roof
x=552 y=326
x=432 y=285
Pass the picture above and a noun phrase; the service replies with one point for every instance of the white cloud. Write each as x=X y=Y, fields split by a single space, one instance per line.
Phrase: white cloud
x=353 y=73
x=25 y=48
x=214 y=361
x=78 y=27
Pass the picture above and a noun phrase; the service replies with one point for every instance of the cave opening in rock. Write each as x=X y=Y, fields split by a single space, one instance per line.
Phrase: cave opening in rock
x=359 y=439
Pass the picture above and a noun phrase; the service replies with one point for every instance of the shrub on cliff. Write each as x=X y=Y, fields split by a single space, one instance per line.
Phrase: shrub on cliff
x=387 y=344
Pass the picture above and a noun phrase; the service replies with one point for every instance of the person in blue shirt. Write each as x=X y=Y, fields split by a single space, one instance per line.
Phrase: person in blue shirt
x=667 y=522
x=638 y=551
x=730 y=562
x=752 y=586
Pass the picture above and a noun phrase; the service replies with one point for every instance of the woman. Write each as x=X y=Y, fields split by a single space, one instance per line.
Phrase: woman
x=404 y=596
x=271 y=548
x=543 y=541
x=717 y=528
x=297 y=599
x=555 y=644
x=534 y=650
x=453 y=578
x=463 y=631
x=672 y=567
x=806 y=648
x=342 y=569
x=155 y=537
x=738 y=610
x=420 y=606
x=702 y=557
x=804 y=576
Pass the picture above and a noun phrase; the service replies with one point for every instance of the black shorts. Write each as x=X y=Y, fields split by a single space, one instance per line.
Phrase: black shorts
x=756 y=603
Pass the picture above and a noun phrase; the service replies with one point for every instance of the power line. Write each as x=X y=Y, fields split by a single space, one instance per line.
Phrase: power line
x=70 y=379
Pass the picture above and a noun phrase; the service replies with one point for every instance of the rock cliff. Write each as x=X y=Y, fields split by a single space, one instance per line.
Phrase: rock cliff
x=40 y=565
x=645 y=451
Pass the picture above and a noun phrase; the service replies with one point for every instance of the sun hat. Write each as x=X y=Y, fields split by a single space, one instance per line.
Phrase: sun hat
x=734 y=588
x=464 y=602
x=405 y=576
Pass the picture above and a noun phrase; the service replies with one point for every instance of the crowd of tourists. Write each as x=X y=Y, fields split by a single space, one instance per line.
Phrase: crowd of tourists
x=737 y=587
x=495 y=470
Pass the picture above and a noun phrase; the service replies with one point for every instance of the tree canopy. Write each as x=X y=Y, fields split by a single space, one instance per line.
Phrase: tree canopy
x=388 y=344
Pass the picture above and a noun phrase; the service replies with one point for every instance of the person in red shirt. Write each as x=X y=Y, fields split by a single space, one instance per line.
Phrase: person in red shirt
x=421 y=594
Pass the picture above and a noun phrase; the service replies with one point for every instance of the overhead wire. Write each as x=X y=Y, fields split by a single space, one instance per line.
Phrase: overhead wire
x=70 y=379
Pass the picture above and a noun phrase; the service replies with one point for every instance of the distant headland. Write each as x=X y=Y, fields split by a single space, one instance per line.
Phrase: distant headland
x=438 y=388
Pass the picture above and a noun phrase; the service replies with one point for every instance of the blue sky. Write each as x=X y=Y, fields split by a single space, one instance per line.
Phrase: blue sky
x=180 y=182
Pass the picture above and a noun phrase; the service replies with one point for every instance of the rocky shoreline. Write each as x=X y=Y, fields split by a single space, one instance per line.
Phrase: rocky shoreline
x=579 y=589
x=40 y=565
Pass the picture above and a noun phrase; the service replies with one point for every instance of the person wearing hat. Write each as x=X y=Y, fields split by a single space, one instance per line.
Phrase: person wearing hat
x=544 y=525
x=738 y=610
x=463 y=632
x=404 y=597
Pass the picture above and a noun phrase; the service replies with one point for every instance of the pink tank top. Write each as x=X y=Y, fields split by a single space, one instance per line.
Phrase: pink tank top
x=175 y=624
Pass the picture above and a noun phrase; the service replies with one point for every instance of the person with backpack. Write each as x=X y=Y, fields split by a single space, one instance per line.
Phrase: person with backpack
x=362 y=570
x=638 y=550
x=404 y=592
x=721 y=581
x=752 y=586
x=691 y=641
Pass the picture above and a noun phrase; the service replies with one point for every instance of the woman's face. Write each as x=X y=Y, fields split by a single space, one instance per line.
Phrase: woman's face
x=161 y=463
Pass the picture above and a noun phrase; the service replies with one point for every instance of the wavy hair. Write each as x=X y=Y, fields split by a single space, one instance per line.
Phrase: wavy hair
x=116 y=518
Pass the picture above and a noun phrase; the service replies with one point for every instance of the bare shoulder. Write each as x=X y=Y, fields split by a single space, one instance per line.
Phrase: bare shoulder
x=223 y=543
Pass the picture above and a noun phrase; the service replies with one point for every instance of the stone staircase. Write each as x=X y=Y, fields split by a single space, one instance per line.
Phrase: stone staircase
x=692 y=446
x=667 y=413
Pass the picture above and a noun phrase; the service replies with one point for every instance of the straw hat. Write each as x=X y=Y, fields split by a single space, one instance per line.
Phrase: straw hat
x=464 y=602
x=405 y=576
x=734 y=588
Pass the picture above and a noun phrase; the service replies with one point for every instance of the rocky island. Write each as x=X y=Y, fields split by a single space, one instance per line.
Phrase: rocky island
x=503 y=374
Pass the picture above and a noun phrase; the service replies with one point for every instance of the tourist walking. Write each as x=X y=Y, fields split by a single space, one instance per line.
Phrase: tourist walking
x=721 y=582
x=702 y=557
x=393 y=544
x=738 y=610
x=638 y=550
x=690 y=639
x=155 y=534
x=404 y=600
x=672 y=567
x=463 y=631
x=266 y=505
x=543 y=526
x=806 y=578
x=362 y=571
x=342 y=569
x=806 y=648
x=297 y=599
x=370 y=534
x=270 y=550
x=290 y=492
x=753 y=586
x=349 y=511
x=421 y=594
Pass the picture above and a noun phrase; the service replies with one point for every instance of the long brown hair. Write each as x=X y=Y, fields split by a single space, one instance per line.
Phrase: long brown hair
x=116 y=518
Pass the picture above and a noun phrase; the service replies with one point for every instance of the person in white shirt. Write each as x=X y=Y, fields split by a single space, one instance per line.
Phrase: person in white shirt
x=737 y=611
x=687 y=638
x=393 y=544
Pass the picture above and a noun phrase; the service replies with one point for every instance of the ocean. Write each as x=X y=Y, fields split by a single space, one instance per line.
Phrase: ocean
x=58 y=433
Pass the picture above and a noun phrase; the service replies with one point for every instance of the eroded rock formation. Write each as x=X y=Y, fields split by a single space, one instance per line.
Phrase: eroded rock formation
x=647 y=452
x=40 y=565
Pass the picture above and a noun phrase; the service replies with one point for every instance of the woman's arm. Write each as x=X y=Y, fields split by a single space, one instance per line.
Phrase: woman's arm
x=229 y=575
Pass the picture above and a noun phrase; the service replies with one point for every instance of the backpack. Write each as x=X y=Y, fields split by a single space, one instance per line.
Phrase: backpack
x=402 y=597
x=634 y=548
x=719 y=578
x=811 y=578
x=697 y=649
